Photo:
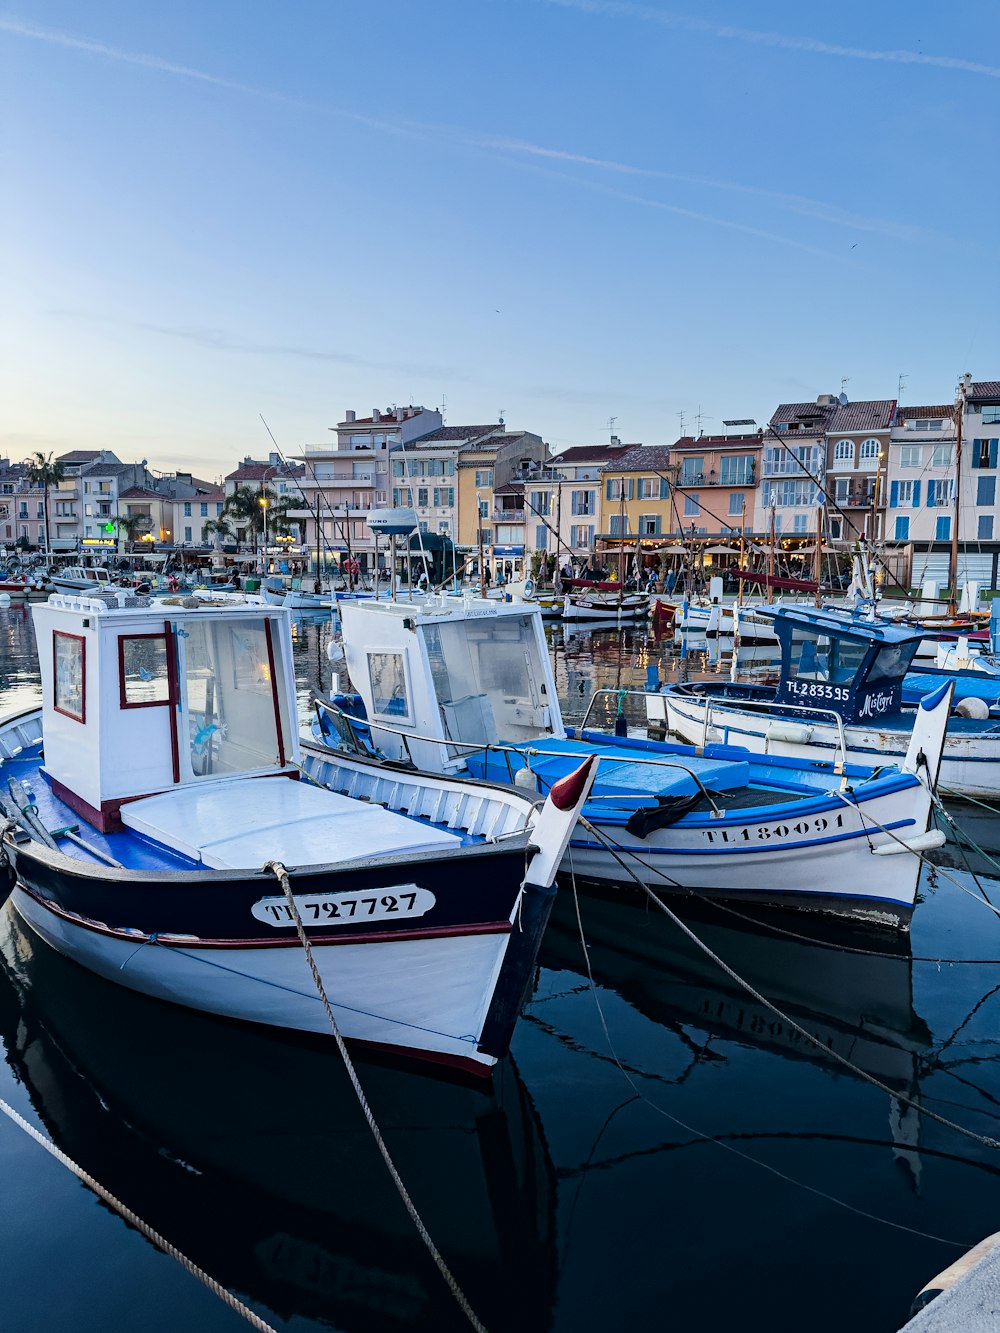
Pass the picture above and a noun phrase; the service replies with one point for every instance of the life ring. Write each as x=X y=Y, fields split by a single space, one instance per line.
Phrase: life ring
x=529 y=587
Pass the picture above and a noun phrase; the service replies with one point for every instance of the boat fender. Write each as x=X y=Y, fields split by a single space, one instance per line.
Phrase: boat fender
x=922 y=842
x=793 y=732
x=973 y=707
x=529 y=588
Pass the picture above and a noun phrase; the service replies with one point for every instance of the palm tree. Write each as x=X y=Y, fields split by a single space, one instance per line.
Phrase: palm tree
x=45 y=471
x=216 y=528
x=244 y=508
x=131 y=525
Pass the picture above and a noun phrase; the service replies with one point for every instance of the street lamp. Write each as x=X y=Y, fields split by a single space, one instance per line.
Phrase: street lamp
x=262 y=501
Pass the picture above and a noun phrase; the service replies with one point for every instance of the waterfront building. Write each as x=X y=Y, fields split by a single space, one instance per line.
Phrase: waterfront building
x=857 y=462
x=716 y=485
x=563 y=501
x=492 y=472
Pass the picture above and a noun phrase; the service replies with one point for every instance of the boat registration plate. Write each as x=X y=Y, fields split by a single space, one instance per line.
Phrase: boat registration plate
x=341 y=909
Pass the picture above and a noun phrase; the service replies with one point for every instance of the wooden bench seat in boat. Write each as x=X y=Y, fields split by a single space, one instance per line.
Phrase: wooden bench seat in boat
x=239 y=825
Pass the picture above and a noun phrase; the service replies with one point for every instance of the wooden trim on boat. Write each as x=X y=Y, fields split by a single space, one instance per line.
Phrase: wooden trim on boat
x=274 y=692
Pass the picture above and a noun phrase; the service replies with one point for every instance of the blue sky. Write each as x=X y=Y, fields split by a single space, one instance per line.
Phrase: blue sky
x=565 y=209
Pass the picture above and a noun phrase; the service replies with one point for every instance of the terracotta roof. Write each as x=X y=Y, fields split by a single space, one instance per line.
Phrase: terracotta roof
x=509 y=488
x=79 y=456
x=590 y=453
x=866 y=414
x=445 y=433
x=717 y=441
x=271 y=471
x=985 y=389
x=141 y=492
x=922 y=413
x=797 y=411
x=641 y=457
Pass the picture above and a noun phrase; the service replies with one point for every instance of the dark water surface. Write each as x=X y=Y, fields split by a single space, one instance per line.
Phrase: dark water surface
x=660 y=1150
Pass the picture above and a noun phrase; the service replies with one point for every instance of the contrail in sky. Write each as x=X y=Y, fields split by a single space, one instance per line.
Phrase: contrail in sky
x=796 y=203
x=648 y=14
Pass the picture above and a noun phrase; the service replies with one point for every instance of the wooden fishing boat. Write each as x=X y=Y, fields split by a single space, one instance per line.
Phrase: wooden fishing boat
x=468 y=689
x=154 y=800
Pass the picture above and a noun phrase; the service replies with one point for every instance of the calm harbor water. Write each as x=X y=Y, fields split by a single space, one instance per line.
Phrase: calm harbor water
x=659 y=1150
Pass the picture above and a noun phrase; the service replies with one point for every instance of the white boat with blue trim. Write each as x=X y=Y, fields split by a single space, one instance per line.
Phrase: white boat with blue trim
x=154 y=827
x=841 y=690
x=467 y=688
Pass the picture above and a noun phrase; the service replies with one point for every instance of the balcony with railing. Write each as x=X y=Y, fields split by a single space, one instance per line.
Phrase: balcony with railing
x=508 y=515
x=784 y=465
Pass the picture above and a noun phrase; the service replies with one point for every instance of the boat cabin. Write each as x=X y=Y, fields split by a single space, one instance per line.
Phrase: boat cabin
x=842 y=663
x=140 y=698
x=450 y=674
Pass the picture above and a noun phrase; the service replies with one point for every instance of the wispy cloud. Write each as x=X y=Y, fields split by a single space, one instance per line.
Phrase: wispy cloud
x=813 y=208
x=784 y=41
x=506 y=146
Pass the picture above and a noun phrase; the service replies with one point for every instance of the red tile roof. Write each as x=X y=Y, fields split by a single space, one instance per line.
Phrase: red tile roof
x=924 y=413
x=640 y=458
x=866 y=414
x=269 y=471
x=445 y=433
x=141 y=492
x=590 y=453
x=985 y=389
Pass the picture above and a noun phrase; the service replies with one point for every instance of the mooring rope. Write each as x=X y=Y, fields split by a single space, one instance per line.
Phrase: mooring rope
x=136 y=1221
x=745 y=985
x=279 y=871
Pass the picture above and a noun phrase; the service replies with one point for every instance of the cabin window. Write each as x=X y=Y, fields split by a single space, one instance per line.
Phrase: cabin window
x=69 y=675
x=814 y=656
x=387 y=673
x=229 y=697
x=143 y=670
x=893 y=661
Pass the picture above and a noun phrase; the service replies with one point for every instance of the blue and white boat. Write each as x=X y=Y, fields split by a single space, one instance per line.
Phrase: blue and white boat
x=467 y=688
x=146 y=803
x=840 y=694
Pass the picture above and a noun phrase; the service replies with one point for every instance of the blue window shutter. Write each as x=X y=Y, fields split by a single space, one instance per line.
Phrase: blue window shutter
x=902 y=529
x=894 y=495
x=574 y=507
x=942 y=530
x=931 y=493
x=977 y=453
x=656 y=526
x=664 y=489
x=916 y=495
x=607 y=490
x=993 y=452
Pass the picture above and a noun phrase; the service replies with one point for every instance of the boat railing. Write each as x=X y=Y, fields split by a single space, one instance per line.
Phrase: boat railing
x=741 y=705
x=765 y=706
x=526 y=752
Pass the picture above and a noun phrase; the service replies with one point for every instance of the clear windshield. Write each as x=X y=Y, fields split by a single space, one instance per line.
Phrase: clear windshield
x=489 y=679
x=230 y=702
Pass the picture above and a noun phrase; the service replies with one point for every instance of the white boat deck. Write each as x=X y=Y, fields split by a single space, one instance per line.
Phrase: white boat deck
x=240 y=825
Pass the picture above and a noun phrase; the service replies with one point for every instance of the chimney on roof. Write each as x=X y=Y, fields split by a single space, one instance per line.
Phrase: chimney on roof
x=825 y=400
x=376 y=414
x=615 y=440
x=350 y=416
x=400 y=413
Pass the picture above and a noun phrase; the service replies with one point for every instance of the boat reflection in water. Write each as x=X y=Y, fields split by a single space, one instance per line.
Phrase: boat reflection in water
x=249 y=1151
x=855 y=1005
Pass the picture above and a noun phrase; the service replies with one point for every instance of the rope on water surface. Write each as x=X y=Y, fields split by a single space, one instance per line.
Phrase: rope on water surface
x=281 y=874
x=134 y=1220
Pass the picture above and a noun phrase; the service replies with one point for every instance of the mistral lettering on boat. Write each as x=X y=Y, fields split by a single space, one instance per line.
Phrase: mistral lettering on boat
x=878 y=703
x=802 y=828
x=817 y=689
x=401 y=900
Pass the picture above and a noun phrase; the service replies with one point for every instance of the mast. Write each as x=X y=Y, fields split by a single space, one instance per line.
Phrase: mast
x=818 y=554
x=770 y=561
x=961 y=394
x=479 y=530
x=318 y=569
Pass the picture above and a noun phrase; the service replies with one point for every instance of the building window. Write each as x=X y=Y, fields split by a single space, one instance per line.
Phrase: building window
x=618 y=488
x=842 y=490
x=835 y=529
x=648 y=488
x=417 y=467
x=484 y=508
x=927 y=424
x=904 y=495
x=203 y=509
x=902 y=529
x=986 y=490
x=800 y=523
x=421 y=497
x=693 y=471
x=401 y=495
x=581 y=536
x=843 y=452
x=985 y=528
x=737 y=502
x=583 y=502
x=397 y=467
x=187 y=534
x=649 y=525
x=940 y=492
x=941 y=455
x=911 y=455
x=984 y=453
x=869 y=451
x=187 y=509
x=485 y=535
x=218 y=508
x=444 y=496
x=539 y=504
x=541 y=537
x=692 y=506
x=484 y=476
x=736 y=470
x=618 y=525
x=991 y=416
x=942 y=529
